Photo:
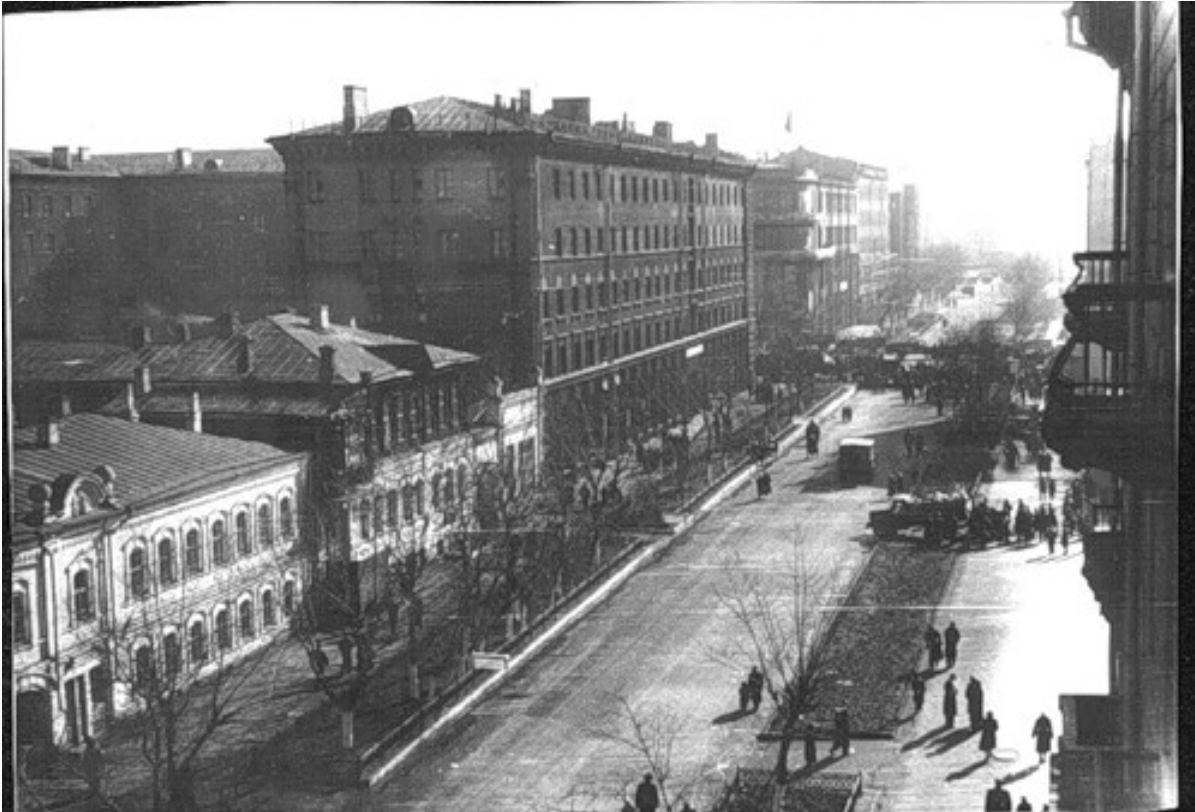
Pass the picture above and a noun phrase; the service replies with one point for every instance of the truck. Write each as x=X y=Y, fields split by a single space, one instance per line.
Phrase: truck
x=938 y=518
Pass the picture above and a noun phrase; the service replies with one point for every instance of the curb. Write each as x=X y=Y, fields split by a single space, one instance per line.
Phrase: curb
x=698 y=508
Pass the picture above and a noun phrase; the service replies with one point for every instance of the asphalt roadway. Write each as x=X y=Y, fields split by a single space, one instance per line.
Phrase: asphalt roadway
x=660 y=650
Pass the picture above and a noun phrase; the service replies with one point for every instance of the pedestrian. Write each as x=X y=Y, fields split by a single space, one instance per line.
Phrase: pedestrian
x=1051 y=488
x=842 y=732
x=1066 y=543
x=949 y=701
x=755 y=682
x=974 y=694
x=1043 y=734
x=1024 y=805
x=647 y=797
x=1051 y=534
x=93 y=765
x=987 y=735
x=810 y=747
x=318 y=660
x=813 y=434
x=917 y=683
x=345 y=644
x=998 y=799
x=951 y=636
x=933 y=646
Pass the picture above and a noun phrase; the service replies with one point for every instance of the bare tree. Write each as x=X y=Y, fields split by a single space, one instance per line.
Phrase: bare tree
x=783 y=631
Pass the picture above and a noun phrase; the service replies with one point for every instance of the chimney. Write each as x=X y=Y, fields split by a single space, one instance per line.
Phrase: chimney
x=353 y=322
x=497 y=102
x=48 y=432
x=64 y=405
x=245 y=356
x=354 y=107
x=141 y=380
x=182 y=158
x=571 y=109
x=327 y=364
x=60 y=158
x=182 y=333
x=39 y=496
x=662 y=130
x=140 y=336
x=83 y=155
x=130 y=399
x=366 y=379
x=195 y=414
x=319 y=319
x=524 y=101
x=711 y=140
x=230 y=323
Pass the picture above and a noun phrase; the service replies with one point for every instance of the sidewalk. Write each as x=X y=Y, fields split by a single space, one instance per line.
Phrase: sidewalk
x=1031 y=630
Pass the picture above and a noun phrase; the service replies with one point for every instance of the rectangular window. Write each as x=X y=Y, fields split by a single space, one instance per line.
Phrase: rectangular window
x=625 y=242
x=585 y=185
x=560 y=302
x=315 y=187
x=588 y=243
x=558 y=245
x=589 y=296
x=443 y=184
x=622 y=185
x=556 y=183
x=601 y=240
x=498 y=243
x=27 y=211
x=635 y=236
x=576 y=298
x=365 y=184
x=395 y=185
x=597 y=185
x=496 y=181
x=572 y=185
x=47 y=206
x=450 y=243
x=546 y=304
x=635 y=189
x=67 y=206
x=49 y=244
x=572 y=242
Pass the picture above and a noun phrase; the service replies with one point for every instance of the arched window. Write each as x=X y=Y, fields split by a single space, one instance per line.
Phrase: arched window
x=138 y=572
x=392 y=508
x=197 y=635
x=223 y=629
x=268 y=614
x=408 y=503
x=167 y=567
x=288 y=598
x=286 y=517
x=219 y=544
x=265 y=525
x=172 y=655
x=143 y=666
x=244 y=542
x=245 y=610
x=22 y=634
x=364 y=517
x=81 y=592
x=193 y=548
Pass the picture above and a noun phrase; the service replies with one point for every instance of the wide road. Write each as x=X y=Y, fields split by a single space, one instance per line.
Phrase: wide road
x=659 y=646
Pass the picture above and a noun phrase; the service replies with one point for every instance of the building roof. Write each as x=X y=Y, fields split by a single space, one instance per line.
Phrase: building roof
x=149 y=461
x=202 y=162
x=445 y=114
x=827 y=167
x=30 y=162
x=51 y=361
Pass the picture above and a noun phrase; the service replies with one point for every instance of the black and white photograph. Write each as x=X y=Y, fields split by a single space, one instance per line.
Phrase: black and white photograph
x=592 y=407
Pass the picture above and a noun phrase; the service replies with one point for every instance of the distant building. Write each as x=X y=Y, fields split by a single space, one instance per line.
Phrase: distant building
x=905 y=228
x=138 y=547
x=1111 y=411
x=610 y=263
x=1100 y=198
x=103 y=242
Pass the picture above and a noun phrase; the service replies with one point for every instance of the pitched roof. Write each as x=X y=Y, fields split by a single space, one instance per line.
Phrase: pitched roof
x=31 y=162
x=446 y=114
x=826 y=166
x=149 y=461
x=224 y=160
x=50 y=361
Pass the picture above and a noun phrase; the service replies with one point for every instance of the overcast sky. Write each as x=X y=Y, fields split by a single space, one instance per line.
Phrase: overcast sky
x=981 y=105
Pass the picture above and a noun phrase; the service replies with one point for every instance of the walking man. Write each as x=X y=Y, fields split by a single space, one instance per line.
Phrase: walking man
x=813 y=434
x=647 y=797
x=950 y=701
x=755 y=684
x=935 y=648
x=951 y=637
x=1043 y=733
x=319 y=661
x=987 y=735
x=974 y=694
x=917 y=683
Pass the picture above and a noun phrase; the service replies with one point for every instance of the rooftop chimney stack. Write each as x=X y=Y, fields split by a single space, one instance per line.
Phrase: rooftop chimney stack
x=139 y=336
x=48 y=432
x=319 y=318
x=525 y=101
x=195 y=414
x=245 y=356
x=497 y=102
x=130 y=399
x=182 y=333
x=327 y=364
x=64 y=405
x=711 y=141
x=60 y=158
x=662 y=130
x=39 y=496
x=182 y=158
x=354 y=107
x=141 y=378
x=230 y=323
x=83 y=155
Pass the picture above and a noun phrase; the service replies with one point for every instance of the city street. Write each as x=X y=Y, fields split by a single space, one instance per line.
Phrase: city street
x=545 y=738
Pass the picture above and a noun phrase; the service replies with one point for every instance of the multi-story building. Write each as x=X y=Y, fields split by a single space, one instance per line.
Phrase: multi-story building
x=1111 y=410
x=396 y=429
x=877 y=262
x=104 y=242
x=137 y=546
x=607 y=262
x=905 y=222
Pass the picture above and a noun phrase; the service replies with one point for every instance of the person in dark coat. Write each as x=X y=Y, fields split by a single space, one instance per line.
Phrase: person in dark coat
x=949 y=701
x=647 y=797
x=935 y=651
x=755 y=683
x=974 y=694
x=951 y=636
x=842 y=732
x=917 y=684
x=1024 y=805
x=1043 y=733
x=987 y=735
x=998 y=799
x=813 y=434
x=319 y=661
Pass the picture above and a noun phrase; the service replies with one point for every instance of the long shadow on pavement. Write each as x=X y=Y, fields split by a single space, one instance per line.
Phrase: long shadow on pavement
x=923 y=739
x=950 y=741
x=1017 y=776
x=733 y=716
x=965 y=771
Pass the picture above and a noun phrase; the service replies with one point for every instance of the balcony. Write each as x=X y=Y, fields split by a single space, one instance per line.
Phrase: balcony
x=1105 y=558
x=1095 y=420
x=1100 y=297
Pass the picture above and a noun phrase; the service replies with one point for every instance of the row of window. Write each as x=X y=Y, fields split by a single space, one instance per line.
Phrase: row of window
x=404 y=419
x=584 y=185
x=397 y=245
x=403 y=185
x=48 y=243
x=655 y=284
x=578 y=242
x=251 y=620
x=64 y=206
x=382 y=511
x=571 y=353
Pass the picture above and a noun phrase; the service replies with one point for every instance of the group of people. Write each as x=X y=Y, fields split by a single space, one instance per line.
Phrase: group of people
x=751 y=691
